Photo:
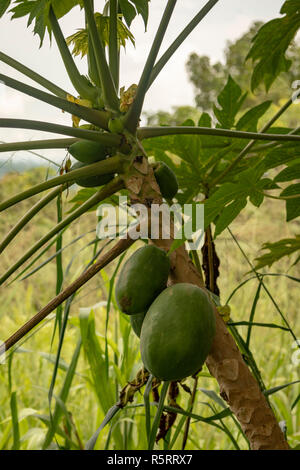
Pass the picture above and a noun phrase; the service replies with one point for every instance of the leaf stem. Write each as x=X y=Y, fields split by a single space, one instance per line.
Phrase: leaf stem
x=180 y=39
x=149 y=132
x=106 y=138
x=107 y=84
x=37 y=144
x=80 y=83
x=112 y=187
x=99 y=118
x=119 y=248
x=110 y=165
x=28 y=216
x=132 y=117
x=249 y=146
x=91 y=59
x=56 y=90
x=113 y=42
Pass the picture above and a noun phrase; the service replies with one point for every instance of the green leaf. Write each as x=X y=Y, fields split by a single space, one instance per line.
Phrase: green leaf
x=108 y=417
x=15 y=421
x=256 y=198
x=63 y=396
x=292 y=205
x=227 y=193
x=158 y=414
x=38 y=10
x=230 y=198
x=191 y=157
x=271 y=43
x=4 y=4
x=128 y=11
x=212 y=394
x=282 y=154
x=280 y=387
x=278 y=250
x=142 y=8
x=249 y=121
x=79 y=40
x=288 y=174
x=222 y=414
x=230 y=101
x=229 y=214
x=61 y=8
x=95 y=357
x=264 y=325
x=205 y=120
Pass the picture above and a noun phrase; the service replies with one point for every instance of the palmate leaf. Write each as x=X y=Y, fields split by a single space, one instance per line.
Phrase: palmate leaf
x=191 y=157
x=286 y=153
x=249 y=121
x=38 y=11
x=278 y=250
x=230 y=199
x=79 y=40
x=293 y=204
x=130 y=9
x=230 y=101
x=290 y=173
x=229 y=214
x=197 y=160
x=4 y=4
x=271 y=43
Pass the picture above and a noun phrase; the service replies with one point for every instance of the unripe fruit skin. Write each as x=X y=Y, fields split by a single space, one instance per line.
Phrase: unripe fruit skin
x=86 y=151
x=91 y=181
x=115 y=125
x=166 y=180
x=142 y=278
x=137 y=322
x=177 y=332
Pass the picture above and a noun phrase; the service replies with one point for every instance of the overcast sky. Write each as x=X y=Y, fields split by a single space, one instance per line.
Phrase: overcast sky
x=228 y=20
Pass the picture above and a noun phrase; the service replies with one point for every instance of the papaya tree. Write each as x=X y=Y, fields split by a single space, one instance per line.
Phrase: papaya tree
x=221 y=166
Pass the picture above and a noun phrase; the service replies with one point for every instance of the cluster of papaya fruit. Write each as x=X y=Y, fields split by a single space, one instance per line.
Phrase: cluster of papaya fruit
x=87 y=152
x=176 y=324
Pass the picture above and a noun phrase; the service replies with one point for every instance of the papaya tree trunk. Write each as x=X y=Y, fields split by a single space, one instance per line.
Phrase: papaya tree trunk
x=237 y=385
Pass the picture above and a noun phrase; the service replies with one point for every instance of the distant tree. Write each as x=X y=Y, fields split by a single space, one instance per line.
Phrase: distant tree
x=175 y=118
x=209 y=78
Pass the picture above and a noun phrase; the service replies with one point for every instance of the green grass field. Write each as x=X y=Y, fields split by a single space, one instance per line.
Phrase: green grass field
x=108 y=361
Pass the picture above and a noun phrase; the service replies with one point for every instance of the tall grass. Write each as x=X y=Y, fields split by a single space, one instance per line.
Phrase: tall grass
x=100 y=353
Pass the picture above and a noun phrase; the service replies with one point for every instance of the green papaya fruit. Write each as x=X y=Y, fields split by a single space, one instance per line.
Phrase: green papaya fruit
x=86 y=151
x=142 y=278
x=116 y=125
x=91 y=181
x=166 y=180
x=136 y=321
x=177 y=332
